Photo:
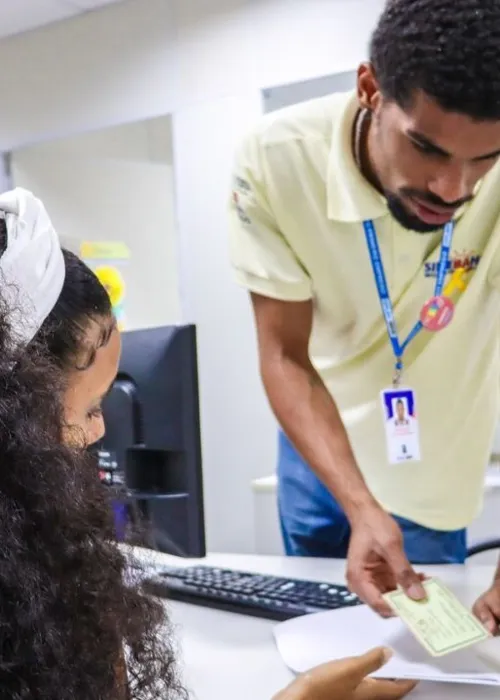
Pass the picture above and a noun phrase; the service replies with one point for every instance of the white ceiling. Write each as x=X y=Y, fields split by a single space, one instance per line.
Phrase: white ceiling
x=18 y=16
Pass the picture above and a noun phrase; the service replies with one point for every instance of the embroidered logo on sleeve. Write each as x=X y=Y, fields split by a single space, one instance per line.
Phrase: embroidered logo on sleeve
x=242 y=185
x=243 y=216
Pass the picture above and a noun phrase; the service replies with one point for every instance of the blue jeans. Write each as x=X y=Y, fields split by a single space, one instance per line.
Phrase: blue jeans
x=314 y=525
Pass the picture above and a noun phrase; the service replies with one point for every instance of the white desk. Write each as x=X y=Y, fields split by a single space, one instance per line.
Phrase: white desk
x=233 y=657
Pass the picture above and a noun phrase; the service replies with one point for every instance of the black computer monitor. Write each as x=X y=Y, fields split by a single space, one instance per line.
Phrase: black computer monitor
x=152 y=446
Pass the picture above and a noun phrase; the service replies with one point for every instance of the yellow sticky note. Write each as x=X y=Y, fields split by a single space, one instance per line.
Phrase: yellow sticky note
x=440 y=623
x=104 y=250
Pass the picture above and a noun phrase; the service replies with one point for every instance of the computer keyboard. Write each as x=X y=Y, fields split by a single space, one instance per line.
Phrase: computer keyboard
x=270 y=597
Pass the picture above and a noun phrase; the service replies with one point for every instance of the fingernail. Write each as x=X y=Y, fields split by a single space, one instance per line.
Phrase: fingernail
x=486 y=622
x=388 y=654
x=416 y=592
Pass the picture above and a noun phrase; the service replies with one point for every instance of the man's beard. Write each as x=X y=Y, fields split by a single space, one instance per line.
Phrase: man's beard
x=407 y=219
x=410 y=221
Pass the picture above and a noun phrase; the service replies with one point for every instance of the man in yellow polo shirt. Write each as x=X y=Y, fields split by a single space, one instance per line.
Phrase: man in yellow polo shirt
x=366 y=228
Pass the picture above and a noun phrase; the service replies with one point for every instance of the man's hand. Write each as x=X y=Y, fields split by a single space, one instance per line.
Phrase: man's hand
x=377 y=563
x=487 y=608
x=346 y=680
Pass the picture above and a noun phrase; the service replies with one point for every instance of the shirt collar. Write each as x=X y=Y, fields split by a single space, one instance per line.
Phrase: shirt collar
x=351 y=198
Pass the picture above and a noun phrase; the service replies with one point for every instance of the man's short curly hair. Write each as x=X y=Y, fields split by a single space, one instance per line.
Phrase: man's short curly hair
x=449 y=49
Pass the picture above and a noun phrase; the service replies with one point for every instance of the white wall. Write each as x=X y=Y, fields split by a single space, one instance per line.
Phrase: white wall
x=126 y=64
x=115 y=184
x=205 y=61
x=289 y=94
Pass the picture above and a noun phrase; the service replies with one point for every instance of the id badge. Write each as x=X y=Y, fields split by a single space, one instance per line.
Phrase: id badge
x=401 y=425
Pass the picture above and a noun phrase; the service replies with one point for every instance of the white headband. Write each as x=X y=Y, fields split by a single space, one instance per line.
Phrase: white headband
x=32 y=267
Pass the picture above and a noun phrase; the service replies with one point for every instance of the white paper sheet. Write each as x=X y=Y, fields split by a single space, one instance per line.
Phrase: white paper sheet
x=311 y=640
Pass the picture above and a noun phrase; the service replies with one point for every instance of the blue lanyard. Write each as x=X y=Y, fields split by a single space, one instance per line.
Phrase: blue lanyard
x=383 y=290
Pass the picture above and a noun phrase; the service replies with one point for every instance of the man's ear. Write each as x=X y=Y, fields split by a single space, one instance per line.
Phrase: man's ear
x=369 y=95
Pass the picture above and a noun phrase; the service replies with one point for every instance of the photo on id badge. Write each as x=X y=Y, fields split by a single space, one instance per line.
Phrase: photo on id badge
x=401 y=425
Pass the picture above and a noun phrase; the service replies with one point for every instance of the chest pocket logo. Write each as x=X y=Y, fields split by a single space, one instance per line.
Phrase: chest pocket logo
x=467 y=262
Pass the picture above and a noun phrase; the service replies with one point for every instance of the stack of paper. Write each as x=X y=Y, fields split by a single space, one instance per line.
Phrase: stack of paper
x=311 y=640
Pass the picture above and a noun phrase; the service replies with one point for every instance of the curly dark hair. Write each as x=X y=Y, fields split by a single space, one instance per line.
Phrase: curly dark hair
x=449 y=49
x=68 y=615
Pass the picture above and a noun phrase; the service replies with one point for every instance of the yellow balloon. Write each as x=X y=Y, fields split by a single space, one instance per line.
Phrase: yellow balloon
x=112 y=281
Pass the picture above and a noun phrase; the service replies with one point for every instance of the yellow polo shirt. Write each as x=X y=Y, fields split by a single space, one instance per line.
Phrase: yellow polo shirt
x=297 y=206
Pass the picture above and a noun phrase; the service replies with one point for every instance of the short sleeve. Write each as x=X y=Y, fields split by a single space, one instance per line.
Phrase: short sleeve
x=261 y=257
